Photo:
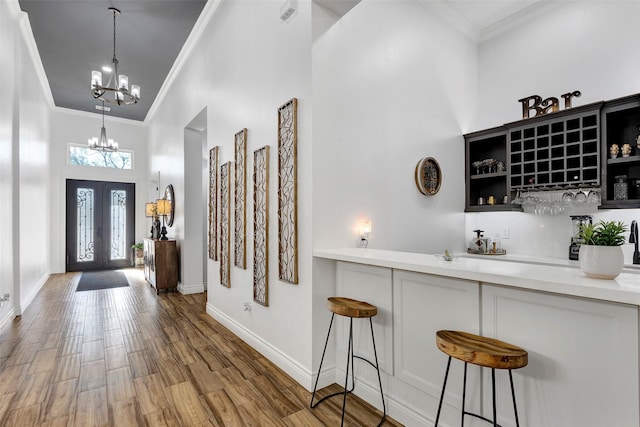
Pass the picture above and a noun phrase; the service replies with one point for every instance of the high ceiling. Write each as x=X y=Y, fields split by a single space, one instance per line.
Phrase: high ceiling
x=76 y=36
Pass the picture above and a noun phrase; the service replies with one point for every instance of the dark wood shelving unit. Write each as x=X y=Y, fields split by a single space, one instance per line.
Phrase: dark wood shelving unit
x=621 y=119
x=566 y=149
x=487 y=144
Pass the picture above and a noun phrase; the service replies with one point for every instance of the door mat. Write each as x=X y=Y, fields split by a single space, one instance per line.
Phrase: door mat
x=94 y=280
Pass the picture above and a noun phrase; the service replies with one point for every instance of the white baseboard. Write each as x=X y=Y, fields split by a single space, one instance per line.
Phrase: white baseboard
x=6 y=320
x=396 y=408
x=27 y=300
x=190 y=289
x=283 y=361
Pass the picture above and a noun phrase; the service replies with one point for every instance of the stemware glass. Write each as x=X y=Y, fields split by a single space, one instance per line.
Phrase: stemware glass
x=518 y=199
x=567 y=198
x=581 y=198
x=594 y=197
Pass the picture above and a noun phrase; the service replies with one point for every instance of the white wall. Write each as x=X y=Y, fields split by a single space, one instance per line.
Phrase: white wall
x=24 y=129
x=582 y=46
x=392 y=84
x=8 y=30
x=75 y=127
x=245 y=65
x=33 y=154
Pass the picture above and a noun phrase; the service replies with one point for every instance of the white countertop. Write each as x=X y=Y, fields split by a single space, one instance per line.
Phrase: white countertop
x=560 y=279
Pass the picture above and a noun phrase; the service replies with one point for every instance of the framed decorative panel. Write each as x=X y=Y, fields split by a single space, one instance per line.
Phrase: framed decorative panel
x=213 y=203
x=287 y=192
x=225 y=224
x=240 y=205
x=261 y=226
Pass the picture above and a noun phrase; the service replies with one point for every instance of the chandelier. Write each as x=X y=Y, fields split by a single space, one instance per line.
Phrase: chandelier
x=103 y=144
x=118 y=84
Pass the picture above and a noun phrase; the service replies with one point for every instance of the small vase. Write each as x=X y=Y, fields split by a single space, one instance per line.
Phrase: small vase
x=614 y=150
x=601 y=262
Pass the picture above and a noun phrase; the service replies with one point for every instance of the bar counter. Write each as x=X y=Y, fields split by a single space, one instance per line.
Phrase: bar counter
x=581 y=334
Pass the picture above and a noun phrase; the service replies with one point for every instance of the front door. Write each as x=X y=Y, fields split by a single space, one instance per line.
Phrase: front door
x=100 y=225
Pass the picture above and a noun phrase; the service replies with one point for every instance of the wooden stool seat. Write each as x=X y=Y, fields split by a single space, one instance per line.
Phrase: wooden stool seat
x=351 y=308
x=482 y=351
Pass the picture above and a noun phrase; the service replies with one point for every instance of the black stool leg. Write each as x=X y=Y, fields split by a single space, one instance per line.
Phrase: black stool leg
x=346 y=377
x=311 y=404
x=493 y=392
x=444 y=385
x=464 y=394
x=375 y=355
x=513 y=396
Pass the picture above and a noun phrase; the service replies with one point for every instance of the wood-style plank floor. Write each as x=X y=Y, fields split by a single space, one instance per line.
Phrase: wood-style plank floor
x=127 y=357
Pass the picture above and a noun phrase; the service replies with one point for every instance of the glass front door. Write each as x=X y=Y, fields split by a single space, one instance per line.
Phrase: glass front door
x=100 y=224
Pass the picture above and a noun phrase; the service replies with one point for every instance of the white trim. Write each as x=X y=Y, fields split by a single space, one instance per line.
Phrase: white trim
x=396 y=408
x=25 y=302
x=518 y=19
x=190 y=289
x=282 y=360
x=453 y=19
x=478 y=35
x=98 y=116
x=5 y=322
x=22 y=19
x=194 y=36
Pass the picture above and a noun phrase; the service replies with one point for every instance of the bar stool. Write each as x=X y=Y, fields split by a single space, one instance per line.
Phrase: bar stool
x=352 y=309
x=484 y=352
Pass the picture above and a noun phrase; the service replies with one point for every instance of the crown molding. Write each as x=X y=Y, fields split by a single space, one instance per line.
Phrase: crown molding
x=22 y=19
x=479 y=35
x=194 y=36
x=14 y=8
x=453 y=19
x=88 y=115
x=518 y=18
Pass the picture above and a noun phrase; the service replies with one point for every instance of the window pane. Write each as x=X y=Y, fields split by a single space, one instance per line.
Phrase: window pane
x=84 y=156
x=118 y=224
x=84 y=226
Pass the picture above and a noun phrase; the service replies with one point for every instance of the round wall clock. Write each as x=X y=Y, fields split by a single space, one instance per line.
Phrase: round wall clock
x=428 y=176
x=168 y=194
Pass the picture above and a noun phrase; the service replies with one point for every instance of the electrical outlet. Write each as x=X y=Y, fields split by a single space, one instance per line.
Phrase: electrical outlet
x=247 y=306
x=506 y=233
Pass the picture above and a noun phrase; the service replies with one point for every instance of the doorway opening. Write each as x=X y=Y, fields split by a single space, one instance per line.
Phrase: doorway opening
x=196 y=178
x=100 y=226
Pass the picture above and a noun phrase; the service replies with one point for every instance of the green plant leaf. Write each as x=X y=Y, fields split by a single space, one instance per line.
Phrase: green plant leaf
x=604 y=233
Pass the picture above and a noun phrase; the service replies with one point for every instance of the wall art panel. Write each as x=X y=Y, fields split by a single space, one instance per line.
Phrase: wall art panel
x=287 y=192
x=225 y=224
x=213 y=203
x=240 y=203
x=261 y=226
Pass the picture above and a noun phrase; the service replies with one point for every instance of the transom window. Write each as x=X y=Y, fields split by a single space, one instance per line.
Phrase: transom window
x=84 y=156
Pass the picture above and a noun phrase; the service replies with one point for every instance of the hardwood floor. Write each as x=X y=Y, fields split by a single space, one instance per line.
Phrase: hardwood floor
x=126 y=357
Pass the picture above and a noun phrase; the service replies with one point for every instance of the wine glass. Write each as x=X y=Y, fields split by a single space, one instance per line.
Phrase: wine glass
x=518 y=200
x=581 y=198
x=567 y=198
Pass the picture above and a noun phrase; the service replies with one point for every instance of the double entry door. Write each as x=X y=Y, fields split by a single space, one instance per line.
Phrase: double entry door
x=100 y=225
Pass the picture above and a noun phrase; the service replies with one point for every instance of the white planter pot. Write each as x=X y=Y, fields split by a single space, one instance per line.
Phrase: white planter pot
x=601 y=262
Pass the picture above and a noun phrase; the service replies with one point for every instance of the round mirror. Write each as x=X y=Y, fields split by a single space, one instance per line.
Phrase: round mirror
x=168 y=194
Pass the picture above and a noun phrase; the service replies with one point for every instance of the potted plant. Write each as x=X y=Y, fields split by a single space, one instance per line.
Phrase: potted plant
x=138 y=250
x=601 y=254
